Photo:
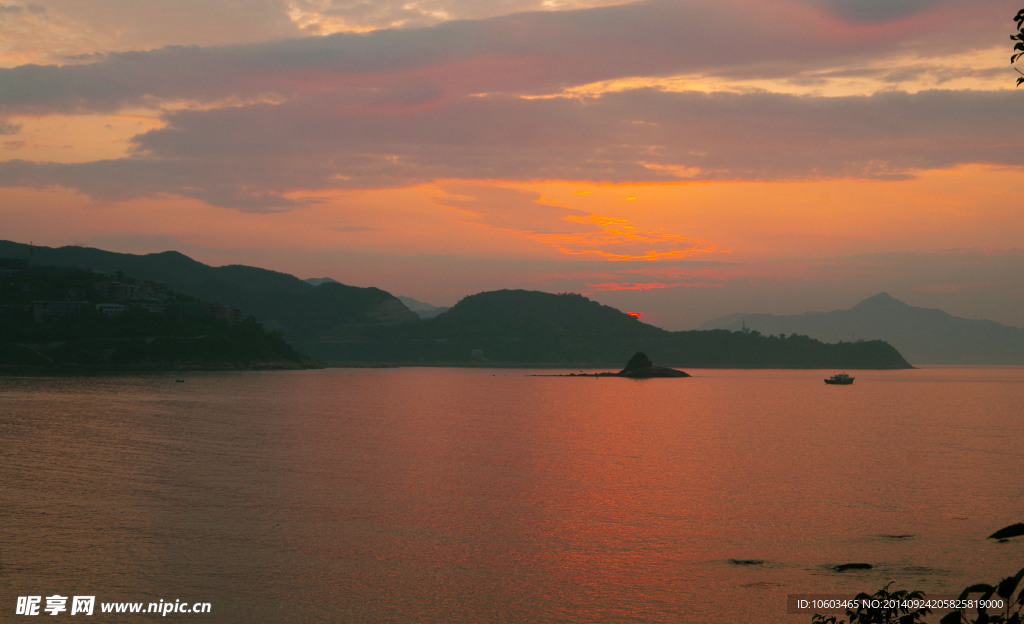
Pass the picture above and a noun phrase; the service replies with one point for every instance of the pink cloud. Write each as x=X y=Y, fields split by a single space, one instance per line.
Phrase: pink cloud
x=402 y=107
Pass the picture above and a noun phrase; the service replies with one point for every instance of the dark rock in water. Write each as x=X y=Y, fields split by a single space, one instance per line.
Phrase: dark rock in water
x=747 y=562
x=1014 y=530
x=638 y=361
x=842 y=567
x=640 y=367
x=653 y=371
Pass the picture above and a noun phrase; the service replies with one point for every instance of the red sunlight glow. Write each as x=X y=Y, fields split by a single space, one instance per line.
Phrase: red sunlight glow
x=616 y=286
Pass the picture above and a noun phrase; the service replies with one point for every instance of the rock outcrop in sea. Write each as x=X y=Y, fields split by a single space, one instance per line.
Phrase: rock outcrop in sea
x=641 y=367
x=638 y=367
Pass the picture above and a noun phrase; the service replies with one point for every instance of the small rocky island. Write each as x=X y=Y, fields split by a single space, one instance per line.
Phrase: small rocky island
x=638 y=367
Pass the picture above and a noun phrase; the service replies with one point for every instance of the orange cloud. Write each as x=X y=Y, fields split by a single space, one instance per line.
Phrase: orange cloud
x=571 y=231
x=617 y=239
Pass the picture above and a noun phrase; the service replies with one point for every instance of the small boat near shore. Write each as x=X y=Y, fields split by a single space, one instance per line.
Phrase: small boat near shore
x=839 y=379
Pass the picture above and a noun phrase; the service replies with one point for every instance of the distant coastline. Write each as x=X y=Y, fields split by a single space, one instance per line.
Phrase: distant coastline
x=69 y=321
x=76 y=308
x=922 y=335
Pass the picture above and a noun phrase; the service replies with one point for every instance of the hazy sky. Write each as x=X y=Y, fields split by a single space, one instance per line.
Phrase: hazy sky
x=684 y=158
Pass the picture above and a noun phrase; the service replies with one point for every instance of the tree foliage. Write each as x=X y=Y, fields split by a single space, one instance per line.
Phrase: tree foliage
x=1018 y=48
x=891 y=608
x=1007 y=593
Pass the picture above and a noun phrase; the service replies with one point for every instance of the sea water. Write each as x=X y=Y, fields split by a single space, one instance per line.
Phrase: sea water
x=489 y=495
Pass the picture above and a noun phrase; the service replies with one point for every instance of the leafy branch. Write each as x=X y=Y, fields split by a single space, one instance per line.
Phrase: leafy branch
x=1007 y=593
x=1009 y=590
x=1019 y=47
x=890 y=609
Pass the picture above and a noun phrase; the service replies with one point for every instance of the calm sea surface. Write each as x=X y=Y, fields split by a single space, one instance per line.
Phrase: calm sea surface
x=422 y=495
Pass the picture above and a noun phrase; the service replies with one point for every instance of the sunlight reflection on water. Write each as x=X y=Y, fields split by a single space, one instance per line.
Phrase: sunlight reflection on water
x=468 y=495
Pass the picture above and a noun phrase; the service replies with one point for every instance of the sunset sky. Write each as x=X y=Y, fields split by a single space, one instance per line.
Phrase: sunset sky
x=681 y=158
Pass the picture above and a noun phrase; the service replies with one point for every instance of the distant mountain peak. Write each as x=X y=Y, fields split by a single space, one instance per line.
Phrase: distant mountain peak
x=173 y=257
x=317 y=281
x=421 y=309
x=923 y=335
x=167 y=254
x=881 y=300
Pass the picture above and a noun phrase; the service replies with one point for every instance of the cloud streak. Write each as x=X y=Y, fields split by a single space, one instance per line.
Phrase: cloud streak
x=250 y=126
x=572 y=232
x=535 y=53
x=252 y=157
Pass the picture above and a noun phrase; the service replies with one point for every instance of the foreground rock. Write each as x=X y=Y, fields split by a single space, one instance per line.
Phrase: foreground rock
x=1014 y=530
